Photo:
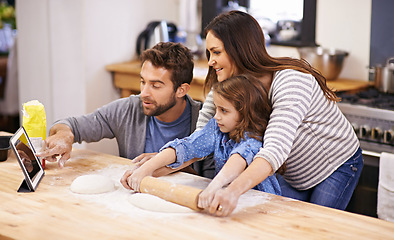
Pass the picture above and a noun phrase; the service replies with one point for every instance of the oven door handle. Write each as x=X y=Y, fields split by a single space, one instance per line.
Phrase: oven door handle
x=370 y=153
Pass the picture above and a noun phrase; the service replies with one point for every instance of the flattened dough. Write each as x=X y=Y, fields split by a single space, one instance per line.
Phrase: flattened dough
x=152 y=203
x=92 y=184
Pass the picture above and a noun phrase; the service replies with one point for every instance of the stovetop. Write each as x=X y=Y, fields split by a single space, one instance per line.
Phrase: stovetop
x=371 y=114
x=370 y=98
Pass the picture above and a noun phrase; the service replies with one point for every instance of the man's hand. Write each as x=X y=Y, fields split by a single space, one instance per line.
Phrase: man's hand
x=141 y=159
x=59 y=143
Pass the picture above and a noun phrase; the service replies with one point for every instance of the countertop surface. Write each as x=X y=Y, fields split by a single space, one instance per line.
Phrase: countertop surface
x=201 y=68
x=54 y=212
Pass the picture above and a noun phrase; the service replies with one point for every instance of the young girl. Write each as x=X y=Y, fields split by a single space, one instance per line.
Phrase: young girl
x=234 y=136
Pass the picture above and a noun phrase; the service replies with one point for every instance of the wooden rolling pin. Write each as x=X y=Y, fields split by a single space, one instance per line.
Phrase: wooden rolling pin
x=177 y=193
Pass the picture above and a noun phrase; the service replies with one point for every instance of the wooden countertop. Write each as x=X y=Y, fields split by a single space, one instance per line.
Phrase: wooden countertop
x=54 y=212
x=134 y=67
x=348 y=85
x=126 y=78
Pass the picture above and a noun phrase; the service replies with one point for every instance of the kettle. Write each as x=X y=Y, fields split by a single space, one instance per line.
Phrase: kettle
x=155 y=32
x=384 y=76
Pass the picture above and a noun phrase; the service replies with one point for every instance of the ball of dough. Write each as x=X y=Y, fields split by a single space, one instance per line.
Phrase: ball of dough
x=92 y=184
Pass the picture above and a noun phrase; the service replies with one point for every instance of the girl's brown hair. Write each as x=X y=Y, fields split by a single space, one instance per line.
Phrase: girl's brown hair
x=243 y=40
x=249 y=97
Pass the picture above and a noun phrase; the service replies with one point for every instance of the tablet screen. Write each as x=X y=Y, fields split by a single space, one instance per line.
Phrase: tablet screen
x=27 y=159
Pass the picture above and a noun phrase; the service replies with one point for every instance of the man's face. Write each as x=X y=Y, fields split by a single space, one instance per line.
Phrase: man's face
x=157 y=90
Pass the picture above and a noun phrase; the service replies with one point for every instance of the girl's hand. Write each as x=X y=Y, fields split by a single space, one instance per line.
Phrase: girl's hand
x=224 y=202
x=125 y=176
x=205 y=198
x=132 y=178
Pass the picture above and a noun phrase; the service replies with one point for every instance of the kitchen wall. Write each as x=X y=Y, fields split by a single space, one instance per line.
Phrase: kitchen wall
x=344 y=25
x=382 y=35
x=64 y=45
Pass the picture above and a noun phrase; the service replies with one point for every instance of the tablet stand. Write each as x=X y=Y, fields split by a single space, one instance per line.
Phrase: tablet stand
x=24 y=187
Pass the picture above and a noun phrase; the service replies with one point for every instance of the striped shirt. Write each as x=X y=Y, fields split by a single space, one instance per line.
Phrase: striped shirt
x=305 y=129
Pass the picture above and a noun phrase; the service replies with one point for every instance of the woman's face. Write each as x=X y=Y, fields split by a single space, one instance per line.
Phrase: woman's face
x=219 y=59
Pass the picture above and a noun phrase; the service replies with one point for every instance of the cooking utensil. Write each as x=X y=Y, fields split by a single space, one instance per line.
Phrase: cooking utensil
x=4 y=147
x=155 y=32
x=177 y=193
x=328 y=61
x=384 y=76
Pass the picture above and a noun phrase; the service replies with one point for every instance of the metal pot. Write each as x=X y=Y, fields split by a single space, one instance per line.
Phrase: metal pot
x=328 y=61
x=384 y=76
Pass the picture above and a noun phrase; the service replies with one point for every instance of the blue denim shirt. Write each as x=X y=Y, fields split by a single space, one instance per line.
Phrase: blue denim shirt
x=211 y=140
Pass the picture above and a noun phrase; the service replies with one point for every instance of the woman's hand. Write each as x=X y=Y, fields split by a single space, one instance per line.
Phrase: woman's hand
x=214 y=196
x=223 y=203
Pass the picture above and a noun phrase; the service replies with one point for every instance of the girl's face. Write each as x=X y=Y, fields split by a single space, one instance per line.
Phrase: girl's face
x=226 y=115
x=219 y=59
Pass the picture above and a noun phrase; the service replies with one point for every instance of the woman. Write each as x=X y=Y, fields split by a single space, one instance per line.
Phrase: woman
x=306 y=128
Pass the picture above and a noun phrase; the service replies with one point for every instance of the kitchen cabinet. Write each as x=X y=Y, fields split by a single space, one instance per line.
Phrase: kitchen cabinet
x=126 y=78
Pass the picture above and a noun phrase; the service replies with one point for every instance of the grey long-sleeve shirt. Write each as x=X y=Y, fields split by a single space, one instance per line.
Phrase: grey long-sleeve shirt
x=122 y=119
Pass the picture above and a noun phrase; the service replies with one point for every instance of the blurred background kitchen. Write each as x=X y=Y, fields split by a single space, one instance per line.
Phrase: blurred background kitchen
x=59 y=49
x=63 y=46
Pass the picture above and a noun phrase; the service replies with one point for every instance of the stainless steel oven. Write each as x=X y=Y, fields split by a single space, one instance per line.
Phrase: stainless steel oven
x=372 y=115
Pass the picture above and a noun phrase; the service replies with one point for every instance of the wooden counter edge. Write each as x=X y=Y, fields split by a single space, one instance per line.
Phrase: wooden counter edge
x=345 y=84
x=338 y=85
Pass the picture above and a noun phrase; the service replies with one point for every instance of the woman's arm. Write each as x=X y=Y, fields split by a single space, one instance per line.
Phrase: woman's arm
x=207 y=112
x=291 y=101
x=228 y=197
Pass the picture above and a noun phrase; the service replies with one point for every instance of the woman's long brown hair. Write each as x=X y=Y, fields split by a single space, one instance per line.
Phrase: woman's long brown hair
x=249 y=97
x=243 y=40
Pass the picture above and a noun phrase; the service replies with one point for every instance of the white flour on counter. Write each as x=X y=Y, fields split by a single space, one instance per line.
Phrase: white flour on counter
x=118 y=201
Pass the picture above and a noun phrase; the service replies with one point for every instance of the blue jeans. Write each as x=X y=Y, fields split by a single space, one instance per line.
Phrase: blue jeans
x=335 y=191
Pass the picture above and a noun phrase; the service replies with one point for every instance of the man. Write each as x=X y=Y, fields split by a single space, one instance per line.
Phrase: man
x=143 y=123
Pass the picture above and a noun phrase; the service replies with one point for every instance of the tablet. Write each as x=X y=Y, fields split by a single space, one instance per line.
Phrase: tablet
x=28 y=161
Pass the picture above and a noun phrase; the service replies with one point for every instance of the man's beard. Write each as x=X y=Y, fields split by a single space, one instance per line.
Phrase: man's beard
x=159 y=109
